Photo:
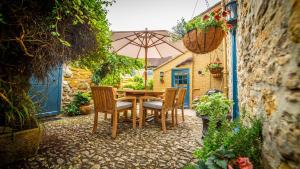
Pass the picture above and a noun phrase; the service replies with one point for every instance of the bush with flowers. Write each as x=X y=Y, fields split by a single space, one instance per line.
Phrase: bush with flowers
x=234 y=145
x=216 y=18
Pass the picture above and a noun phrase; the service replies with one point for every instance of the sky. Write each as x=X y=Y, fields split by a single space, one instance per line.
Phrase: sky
x=125 y=15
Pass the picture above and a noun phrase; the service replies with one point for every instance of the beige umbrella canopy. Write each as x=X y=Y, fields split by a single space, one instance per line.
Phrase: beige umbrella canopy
x=146 y=44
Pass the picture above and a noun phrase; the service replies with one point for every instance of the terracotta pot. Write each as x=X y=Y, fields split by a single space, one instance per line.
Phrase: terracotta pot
x=19 y=145
x=216 y=72
x=85 y=109
x=203 y=41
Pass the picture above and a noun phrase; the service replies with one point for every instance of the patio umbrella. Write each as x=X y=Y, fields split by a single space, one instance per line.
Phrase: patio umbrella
x=145 y=44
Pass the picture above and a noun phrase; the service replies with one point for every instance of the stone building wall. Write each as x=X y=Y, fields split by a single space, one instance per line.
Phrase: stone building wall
x=74 y=80
x=269 y=75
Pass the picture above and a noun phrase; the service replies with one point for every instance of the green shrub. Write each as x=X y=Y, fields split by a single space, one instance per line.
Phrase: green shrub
x=136 y=83
x=242 y=136
x=71 y=109
x=150 y=84
x=81 y=98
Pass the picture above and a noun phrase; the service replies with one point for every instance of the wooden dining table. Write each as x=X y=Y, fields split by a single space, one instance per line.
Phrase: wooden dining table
x=138 y=93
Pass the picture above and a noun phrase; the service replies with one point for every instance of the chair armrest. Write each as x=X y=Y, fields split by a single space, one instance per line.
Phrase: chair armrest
x=150 y=97
x=126 y=98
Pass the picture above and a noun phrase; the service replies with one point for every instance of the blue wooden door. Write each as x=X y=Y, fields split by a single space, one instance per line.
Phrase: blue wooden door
x=181 y=79
x=47 y=94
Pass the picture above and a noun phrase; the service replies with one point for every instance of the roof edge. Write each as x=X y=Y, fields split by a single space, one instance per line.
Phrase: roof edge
x=170 y=60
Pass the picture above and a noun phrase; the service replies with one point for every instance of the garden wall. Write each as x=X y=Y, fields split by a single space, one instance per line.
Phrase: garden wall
x=74 y=80
x=269 y=75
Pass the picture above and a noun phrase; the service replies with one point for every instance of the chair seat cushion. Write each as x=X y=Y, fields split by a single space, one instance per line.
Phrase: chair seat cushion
x=123 y=105
x=153 y=104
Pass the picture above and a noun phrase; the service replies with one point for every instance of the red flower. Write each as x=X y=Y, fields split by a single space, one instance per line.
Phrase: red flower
x=224 y=13
x=244 y=163
x=205 y=17
x=217 y=10
x=217 y=17
x=229 y=26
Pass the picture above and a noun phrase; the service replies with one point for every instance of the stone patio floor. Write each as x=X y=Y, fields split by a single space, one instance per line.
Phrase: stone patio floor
x=69 y=143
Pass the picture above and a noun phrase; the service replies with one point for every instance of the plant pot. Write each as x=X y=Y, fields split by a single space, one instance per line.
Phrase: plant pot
x=216 y=72
x=203 y=41
x=18 y=145
x=85 y=109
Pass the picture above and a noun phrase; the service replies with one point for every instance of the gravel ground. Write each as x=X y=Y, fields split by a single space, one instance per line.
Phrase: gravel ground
x=69 y=143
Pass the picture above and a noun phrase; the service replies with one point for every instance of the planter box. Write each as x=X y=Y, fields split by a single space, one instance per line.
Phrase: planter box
x=19 y=145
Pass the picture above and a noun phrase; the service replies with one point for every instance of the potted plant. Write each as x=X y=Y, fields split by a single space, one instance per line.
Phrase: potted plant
x=215 y=69
x=20 y=132
x=33 y=43
x=203 y=35
x=82 y=100
x=214 y=106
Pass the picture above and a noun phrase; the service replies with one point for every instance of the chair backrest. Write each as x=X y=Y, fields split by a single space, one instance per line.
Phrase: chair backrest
x=180 y=96
x=169 y=99
x=104 y=98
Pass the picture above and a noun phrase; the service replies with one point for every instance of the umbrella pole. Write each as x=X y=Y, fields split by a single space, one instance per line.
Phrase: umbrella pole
x=146 y=53
x=146 y=65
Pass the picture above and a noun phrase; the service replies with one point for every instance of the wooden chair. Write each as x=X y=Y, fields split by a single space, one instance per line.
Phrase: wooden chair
x=158 y=105
x=105 y=101
x=179 y=103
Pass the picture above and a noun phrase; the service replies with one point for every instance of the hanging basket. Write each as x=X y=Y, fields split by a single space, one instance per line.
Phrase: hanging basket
x=216 y=72
x=203 y=41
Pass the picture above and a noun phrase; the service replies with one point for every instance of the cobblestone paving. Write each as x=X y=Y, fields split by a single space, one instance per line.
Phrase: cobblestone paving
x=69 y=143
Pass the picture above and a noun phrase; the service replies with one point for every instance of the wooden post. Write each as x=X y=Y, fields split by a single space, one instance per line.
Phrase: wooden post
x=146 y=53
x=225 y=59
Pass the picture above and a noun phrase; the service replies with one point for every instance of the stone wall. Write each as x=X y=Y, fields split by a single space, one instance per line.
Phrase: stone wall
x=269 y=75
x=74 y=80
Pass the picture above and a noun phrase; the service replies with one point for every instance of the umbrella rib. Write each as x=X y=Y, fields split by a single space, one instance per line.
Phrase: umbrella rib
x=170 y=45
x=157 y=50
x=125 y=45
x=123 y=38
x=137 y=56
x=161 y=34
x=138 y=36
x=156 y=44
x=132 y=42
x=153 y=43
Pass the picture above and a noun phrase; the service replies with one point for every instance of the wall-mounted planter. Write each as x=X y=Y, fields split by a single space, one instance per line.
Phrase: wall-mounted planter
x=216 y=72
x=203 y=41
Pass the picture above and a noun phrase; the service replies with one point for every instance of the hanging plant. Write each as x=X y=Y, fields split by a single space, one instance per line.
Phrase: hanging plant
x=215 y=68
x=203 y=35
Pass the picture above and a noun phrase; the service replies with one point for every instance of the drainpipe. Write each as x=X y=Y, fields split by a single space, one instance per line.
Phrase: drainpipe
x=232 y=19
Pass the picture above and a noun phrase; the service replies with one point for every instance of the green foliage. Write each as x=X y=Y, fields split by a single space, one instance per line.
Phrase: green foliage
x=17 y=111
x=178 y=30
x=246 y=140
x=214 y=66
x=81 y=98
x=136 y=83
x=215 y=105
x=39 y=36
x=90 y=12
x=71 y=109
x=214 y=19
x=150 y=84
x=242 y=139
x=1 y=18
x=110 y=72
